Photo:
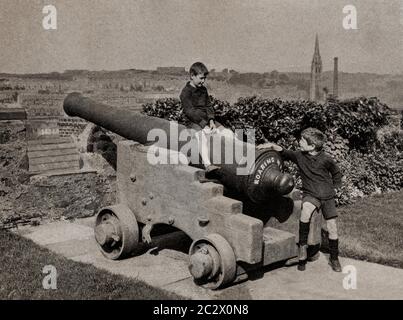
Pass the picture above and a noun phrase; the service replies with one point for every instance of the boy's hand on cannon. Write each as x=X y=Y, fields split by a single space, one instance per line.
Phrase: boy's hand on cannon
x=271 y=146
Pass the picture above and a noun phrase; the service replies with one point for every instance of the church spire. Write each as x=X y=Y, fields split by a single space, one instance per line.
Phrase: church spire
x=317 y=60
x=316 y=70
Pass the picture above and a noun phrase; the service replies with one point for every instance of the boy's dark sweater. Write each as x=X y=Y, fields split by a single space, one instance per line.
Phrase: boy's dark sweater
x=320 y=174
x=196 y=105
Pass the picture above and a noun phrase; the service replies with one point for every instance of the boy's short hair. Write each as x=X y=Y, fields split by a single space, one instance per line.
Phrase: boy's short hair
x=314 y=137
x=198 y=68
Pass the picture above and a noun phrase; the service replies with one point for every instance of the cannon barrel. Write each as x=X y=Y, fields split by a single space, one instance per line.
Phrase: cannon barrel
x=264 y=180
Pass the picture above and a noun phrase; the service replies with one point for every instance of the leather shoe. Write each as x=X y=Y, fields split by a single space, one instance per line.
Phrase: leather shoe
x=335 y=264
x=301 y=265
x=314 y=257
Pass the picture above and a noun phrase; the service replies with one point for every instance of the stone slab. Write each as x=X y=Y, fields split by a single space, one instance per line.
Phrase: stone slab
x=74 y=248
x=41 y=147
x=150 y=268
x=54 y=152
x=54 y=166
x=54 y=159
x=43 y=141
x=59 y=232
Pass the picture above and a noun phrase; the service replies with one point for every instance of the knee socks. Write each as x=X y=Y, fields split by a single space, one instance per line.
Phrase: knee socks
x=303 y=233
x=334 y=249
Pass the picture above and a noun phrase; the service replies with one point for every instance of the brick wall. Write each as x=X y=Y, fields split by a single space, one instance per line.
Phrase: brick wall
x=71 y=126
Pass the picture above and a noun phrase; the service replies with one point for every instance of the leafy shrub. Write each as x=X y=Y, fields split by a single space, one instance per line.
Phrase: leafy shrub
x=336 y=146
x=358 y=120
x=371 y=162
x=390 y=138
x=366 y=174
x=168 y=108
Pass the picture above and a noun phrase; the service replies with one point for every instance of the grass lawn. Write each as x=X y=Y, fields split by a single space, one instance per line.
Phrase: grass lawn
x=22 y=262
x=372 y=229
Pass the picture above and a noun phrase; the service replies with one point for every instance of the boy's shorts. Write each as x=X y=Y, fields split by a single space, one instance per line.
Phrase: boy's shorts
x=328 y=206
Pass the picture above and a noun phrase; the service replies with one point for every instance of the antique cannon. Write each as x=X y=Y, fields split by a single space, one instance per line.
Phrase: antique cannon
x=264 y=179
x=225 y=239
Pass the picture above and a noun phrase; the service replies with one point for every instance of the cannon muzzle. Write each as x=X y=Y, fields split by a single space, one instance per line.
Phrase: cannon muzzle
x=264 y=178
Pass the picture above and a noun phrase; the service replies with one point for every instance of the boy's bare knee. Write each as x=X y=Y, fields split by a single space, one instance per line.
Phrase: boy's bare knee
x=332 y=228
x=307 y=210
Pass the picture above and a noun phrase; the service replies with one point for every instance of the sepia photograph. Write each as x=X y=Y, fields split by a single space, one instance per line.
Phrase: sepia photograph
x=216 y=151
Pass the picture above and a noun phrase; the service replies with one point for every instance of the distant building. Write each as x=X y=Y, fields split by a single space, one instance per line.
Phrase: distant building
x=336 y=78
x=171 y=70
x=316 y=71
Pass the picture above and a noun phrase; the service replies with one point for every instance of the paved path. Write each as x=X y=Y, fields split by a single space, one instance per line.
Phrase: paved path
x=165 y=267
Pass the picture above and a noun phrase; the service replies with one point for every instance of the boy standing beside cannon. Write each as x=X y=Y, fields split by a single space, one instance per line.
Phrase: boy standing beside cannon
x=320 y=177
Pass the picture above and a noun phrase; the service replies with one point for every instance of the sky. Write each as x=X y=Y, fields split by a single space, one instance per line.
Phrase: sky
x=248 y=36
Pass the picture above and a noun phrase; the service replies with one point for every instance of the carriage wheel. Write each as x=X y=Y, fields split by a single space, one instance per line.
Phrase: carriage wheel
x=116 y=231
x=212 y=261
